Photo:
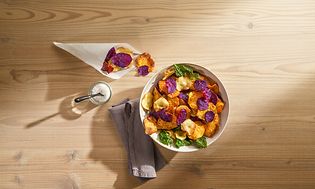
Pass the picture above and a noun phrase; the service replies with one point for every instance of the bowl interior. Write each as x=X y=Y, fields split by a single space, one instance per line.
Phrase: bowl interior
x=224 y=114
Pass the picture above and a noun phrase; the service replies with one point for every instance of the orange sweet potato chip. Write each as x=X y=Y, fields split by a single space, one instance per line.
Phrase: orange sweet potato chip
x=192 y=99
x=173 y=103
x=161 y=124
x=179 y=108
x=162 y=86
x=145 y=59
x=214 y=88
x=198 y=132
x=156 y=94
x=174 y=94
x=216 y=119
x=168 y=73
x=210 y=129
x=149 y=125
x=123 y=50
x=219 y=105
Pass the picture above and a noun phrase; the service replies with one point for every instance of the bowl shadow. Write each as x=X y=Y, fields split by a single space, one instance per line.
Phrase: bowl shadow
x=114 y=156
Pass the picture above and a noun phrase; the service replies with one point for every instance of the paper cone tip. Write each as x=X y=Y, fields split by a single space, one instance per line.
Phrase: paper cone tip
x=56 y=43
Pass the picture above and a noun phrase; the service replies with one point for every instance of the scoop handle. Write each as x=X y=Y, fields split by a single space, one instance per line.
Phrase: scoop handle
x=81 y=98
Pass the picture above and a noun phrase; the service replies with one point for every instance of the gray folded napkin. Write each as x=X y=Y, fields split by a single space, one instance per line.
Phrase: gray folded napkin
x=144 y=159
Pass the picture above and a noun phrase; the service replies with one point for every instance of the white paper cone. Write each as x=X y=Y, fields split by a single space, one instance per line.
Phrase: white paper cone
x=94 y=55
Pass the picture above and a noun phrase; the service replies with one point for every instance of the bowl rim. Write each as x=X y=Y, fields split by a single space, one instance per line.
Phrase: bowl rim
x=222 y=89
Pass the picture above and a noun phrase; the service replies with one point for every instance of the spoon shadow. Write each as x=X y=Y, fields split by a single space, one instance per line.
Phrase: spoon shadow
x=68 y=110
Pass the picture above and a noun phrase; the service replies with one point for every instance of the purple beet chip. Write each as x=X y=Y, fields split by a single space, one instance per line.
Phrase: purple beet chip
x=202 y=103
x=110 y=54
x=165 y=116
x=207 y=94
x=213 y=98
x=183 y=96
x=181 y=116
x=155 y=114
x=121 y=59
x=171 y=85
x=210 y=96
x=194 y=118
x=200 y=85
x=209 y=116
x=143 y=70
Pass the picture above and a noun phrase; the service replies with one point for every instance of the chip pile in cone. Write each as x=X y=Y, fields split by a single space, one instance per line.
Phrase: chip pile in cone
x=119 y=58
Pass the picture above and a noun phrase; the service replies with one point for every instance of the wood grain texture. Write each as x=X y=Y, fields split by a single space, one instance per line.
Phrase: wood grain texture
x=263 y=51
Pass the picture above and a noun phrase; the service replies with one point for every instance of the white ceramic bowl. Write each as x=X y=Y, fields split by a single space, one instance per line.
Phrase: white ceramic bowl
x=224 y=114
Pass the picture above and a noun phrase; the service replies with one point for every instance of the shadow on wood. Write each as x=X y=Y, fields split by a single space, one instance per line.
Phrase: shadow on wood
x=68 y=110
x=105 y=139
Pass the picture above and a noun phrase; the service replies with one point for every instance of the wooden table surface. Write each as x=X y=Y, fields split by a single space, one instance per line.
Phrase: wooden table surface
x=263 y=51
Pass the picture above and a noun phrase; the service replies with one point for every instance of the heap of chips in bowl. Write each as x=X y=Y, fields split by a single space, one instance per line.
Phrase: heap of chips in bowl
x=119 y=58
x=183 y=108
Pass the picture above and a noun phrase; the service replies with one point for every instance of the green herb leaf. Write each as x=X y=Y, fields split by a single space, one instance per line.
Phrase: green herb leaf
x=187 y=69
x=178 y=70
x=179 y=143
x=194 y=75
x=181 y=70
x=165 y=138
x=201 y=142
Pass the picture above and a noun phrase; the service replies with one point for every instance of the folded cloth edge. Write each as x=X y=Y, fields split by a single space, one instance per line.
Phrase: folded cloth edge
x=136 y=169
